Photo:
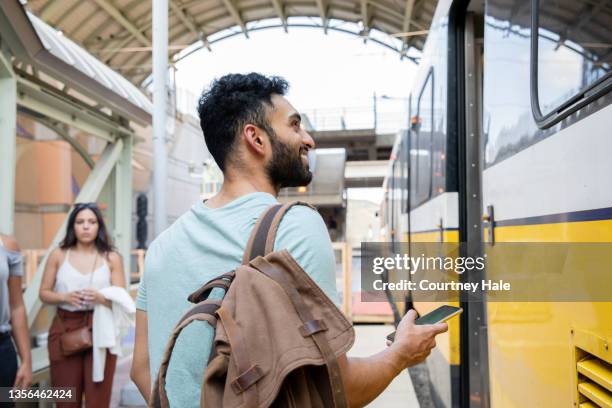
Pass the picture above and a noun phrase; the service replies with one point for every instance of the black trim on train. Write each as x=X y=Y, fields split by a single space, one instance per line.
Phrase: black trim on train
x=435 y=230
x=456 y=130
x=598 y=214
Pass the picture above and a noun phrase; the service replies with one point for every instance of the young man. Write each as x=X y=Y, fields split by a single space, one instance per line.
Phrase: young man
x=256 y=138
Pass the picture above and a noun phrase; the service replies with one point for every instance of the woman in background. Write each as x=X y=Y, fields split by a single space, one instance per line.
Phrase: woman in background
x=75 y=272
x=13 y=320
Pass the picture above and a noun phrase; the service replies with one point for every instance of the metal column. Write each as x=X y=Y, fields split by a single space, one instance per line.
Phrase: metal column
x=123 y=205
x=160 y=96
x=8 y=127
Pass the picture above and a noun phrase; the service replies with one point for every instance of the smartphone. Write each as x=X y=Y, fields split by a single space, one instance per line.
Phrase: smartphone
x=441 y=314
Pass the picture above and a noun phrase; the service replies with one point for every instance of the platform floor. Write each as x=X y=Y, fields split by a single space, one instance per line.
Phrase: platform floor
x=370 y=339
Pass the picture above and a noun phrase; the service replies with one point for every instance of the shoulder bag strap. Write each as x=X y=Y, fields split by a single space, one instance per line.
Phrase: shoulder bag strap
x=256 y=244
x=261 y=241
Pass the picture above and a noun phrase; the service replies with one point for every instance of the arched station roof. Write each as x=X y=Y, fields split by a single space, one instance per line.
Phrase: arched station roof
x=119 y=32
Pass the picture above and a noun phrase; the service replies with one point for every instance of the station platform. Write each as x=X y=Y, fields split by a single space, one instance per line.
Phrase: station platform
x=369 y=340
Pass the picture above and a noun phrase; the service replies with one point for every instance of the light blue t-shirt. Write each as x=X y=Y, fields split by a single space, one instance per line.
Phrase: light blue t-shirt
x=205 y=243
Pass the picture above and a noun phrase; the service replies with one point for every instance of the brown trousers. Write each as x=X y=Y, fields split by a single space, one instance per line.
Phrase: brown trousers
x=76 y=370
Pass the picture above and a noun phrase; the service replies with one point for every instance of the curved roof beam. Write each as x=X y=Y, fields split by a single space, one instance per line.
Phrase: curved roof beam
x=298 y=25
x=229 y=5
x=365 y=19
x=406 y=25
x=188 y=22
x=281 y=14
x=124 y=22
x=322 y=7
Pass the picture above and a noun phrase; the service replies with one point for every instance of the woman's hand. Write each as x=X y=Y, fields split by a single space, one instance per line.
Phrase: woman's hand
x=94 y=297
x=74 y=298
x=23 y=379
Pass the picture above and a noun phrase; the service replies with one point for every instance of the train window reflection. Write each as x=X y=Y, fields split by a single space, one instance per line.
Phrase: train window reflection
x=422 y=155
x=403 y=175
x=574 y=49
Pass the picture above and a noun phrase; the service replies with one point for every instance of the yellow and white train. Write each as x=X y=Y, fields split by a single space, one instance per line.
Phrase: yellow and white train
x=510 y=141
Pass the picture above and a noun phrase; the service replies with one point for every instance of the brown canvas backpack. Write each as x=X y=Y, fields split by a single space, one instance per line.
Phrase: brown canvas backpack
x=277 y=335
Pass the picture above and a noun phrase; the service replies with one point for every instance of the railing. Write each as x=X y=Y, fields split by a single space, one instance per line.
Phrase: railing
x=137 y=275
x=356 y=117
x=31 y=260
x=344 y=275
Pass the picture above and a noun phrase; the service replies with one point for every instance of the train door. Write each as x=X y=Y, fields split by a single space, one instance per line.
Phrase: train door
x=473 y=332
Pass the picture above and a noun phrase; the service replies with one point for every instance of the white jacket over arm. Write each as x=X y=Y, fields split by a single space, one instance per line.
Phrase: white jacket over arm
x=109 y=326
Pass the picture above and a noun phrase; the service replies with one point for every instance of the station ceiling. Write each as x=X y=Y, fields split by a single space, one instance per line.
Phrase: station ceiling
x=119 y=32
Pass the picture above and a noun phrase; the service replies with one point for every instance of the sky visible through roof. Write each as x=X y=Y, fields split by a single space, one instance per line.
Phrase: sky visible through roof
x=331 y=76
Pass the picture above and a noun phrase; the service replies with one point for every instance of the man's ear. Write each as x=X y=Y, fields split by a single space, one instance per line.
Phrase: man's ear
x=254 y=138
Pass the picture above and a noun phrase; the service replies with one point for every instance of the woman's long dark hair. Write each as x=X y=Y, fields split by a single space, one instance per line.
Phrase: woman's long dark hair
x=103 y=242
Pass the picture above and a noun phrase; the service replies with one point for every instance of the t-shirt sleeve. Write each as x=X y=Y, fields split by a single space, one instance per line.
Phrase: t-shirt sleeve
x=15 y=264
x=304 y=234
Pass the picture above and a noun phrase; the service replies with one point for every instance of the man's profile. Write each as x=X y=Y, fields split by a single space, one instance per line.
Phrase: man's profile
x=255 y=136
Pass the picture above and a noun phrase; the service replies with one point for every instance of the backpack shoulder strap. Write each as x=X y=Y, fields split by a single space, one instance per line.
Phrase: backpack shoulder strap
x=204 y=311
x=261 y=241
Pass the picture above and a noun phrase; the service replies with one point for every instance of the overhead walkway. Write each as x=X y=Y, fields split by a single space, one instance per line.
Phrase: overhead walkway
x=327 y=186
x=360 y=144
x=364 y=174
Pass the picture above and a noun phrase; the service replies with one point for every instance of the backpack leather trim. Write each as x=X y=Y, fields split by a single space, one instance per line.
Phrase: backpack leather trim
x=246 y=379
x=224 y=281
x=311 y=327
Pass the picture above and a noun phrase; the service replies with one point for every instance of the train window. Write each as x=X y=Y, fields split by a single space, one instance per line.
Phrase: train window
x=413 y=173
x=571 y=57
x=392 y=205
x=424 y=129
x=405 y=180
x=402 y=172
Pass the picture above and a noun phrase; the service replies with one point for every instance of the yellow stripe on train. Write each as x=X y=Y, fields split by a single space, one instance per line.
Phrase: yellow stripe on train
x=534 y=347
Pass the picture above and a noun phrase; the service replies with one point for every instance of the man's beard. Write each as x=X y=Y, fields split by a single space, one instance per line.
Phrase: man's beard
x=286 y=168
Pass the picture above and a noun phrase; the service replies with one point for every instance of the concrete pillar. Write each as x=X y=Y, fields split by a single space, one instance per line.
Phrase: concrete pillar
x=160 y=104
x=8 y=128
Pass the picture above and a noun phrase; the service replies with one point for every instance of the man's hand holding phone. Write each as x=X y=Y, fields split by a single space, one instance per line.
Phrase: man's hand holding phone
x=413 y=342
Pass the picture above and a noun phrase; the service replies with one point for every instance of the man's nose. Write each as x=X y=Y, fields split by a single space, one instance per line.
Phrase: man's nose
x=308 y=140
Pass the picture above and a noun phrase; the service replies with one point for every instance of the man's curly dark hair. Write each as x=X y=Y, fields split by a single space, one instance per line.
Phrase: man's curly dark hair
x=230 y=103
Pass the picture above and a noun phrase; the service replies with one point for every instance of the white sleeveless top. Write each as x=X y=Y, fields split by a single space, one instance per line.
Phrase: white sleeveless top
x=69 y=279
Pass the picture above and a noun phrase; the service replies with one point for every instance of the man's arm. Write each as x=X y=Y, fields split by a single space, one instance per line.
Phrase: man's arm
x=140 y=372
x=19 y=321
x=365 y=378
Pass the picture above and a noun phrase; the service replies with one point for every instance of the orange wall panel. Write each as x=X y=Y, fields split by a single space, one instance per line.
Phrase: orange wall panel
x=54 y=165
